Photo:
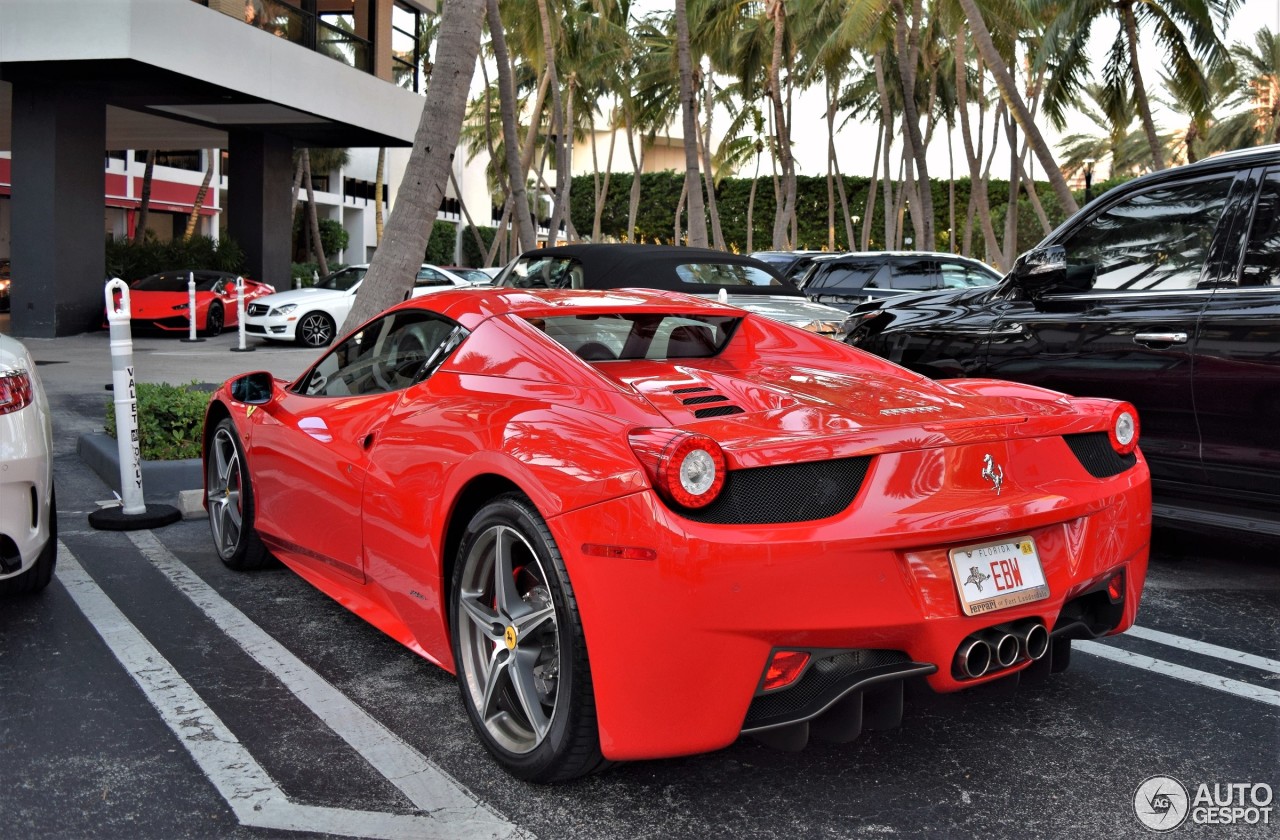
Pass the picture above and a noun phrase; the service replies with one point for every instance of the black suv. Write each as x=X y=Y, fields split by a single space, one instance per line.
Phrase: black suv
x=845 y=280
x=1164 y=292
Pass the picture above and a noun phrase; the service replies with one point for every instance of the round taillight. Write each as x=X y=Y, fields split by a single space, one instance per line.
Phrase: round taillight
x=691 y=471
x=1124 y=429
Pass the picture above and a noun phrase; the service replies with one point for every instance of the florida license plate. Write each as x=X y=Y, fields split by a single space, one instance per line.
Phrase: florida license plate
x=993 y=576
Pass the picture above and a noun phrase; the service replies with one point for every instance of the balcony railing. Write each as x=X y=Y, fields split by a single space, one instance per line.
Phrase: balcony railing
x=302 y=27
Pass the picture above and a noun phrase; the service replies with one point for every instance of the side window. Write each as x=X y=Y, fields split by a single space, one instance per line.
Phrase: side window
x=847 y=278
x=540 y=273
x=1154 y=241
x=1262 y=256
x=390 y=354
x=430 y=277
x=916 y=275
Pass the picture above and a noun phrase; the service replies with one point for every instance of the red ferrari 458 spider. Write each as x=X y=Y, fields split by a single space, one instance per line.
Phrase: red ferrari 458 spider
x=161 y=301
x=638 y=524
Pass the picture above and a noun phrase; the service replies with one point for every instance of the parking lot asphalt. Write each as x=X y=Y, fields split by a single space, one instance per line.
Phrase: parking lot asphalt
x=150 y=692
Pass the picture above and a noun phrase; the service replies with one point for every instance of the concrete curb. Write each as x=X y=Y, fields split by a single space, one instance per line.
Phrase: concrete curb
x=177 y=483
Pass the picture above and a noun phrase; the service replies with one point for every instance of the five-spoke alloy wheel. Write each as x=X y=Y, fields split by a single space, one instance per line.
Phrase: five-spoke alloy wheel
x=519 y=649
x=230 y=501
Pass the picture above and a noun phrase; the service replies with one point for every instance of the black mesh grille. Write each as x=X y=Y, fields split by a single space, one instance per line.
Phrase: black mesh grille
x=1096 y=455
x=826 y=678
x=256 y=309
x=717 y=411
x=785 y=493
x=696 y=390
x=710 y=398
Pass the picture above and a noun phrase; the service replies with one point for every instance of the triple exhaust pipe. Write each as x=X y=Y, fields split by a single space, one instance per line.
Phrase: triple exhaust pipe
x=999 y=647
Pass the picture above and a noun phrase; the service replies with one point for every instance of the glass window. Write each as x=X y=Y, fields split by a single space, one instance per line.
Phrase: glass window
x=725 y=274
x=1153 y=241
x=344 y=280
x=598 y=338
x=916 y=275
x=431 y=277
x=845 y=277
x=390 y=354
x=543 y=273
x=1262 y=256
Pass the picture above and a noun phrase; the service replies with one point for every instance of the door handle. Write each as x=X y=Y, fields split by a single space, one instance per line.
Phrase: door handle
x=1160 y=338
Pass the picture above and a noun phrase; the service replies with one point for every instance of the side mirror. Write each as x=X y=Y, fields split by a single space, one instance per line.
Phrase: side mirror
x=1040 y=269
x=253 y=388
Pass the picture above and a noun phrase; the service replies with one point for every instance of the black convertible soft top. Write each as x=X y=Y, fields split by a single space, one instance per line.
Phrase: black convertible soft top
x=665 y=267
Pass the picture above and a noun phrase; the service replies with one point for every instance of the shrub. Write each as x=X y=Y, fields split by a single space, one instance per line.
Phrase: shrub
x=170 y=420
x=130 y=261
x=442 y=244
x=471 y=255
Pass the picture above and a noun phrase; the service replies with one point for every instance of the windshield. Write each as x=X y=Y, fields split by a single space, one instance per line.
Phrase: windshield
x=176 y=281
x=602 y=338
x=344 y=280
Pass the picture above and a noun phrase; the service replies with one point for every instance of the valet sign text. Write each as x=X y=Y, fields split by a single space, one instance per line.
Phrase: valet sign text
x=1162 y=803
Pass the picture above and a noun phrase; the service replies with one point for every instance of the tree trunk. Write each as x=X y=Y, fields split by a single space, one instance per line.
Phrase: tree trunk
x=751 y=207
x=684 y=194
x=869 y=209
x=516 y=173
x=973 y=157
x=378 y=183
x=708 y=176
x=637 y=167
x=194 y=217
x=908 y=61
x=689 y=110
x=777 y=12
x=144 y=203
x=1139 y=88
x=395 y=263
x=471 y=225
x=313 y=219
x=561 y=127
x=1009 y=93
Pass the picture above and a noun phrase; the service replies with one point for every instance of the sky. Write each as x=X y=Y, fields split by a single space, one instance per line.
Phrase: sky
x=855 y=145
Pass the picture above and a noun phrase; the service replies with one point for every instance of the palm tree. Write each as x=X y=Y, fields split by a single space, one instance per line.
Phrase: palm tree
x=517 y=199
x=1186 y=31
x=394 y=266
x=1258 y=69
x=689 y=118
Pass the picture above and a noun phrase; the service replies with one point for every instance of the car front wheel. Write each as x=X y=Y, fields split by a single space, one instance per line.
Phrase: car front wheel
x=214 y=320
x=519 y=648
x=229 y=498
x=315 y=330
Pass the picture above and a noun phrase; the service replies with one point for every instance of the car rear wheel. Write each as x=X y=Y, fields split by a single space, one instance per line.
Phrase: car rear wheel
x=315 y=329
x=230 y=502
x=214 y=320
x=519 y=648
x=38 y=576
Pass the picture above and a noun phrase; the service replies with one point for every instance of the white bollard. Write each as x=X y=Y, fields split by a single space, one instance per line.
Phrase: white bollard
x=240 y=316
x=191 y=308
x=126 y=398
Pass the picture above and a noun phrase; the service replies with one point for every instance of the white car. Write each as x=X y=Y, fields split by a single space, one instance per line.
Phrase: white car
x=28 y=514
x=311 y=316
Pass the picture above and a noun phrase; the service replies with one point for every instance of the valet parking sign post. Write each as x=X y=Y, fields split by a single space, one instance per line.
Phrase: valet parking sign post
x=133 y=514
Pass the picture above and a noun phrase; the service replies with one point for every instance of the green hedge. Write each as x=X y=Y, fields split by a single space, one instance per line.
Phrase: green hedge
x=170 y=420
x=660 y=193
x=130 y=261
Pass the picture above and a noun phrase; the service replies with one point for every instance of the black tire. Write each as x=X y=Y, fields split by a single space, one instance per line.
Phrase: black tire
x=229 y=495
x=37 y=577
x=214 y=320
x=540 y=723
x=315 y=329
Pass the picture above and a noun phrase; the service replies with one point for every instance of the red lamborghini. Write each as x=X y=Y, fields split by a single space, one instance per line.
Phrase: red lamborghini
x=161 y=300
x=640 y=524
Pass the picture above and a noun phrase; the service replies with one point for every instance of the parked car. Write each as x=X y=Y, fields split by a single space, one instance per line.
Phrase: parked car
x=845 y=280
x=638 y=524
x=161 y=301
x=28 y=512
x=790 y=264
x=1164 y=292
x=311 y=316
x=474 y=276
x=5 y=283
x=732 y=278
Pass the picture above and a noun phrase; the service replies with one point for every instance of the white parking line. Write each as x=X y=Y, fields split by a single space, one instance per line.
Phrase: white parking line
x=248 y=789
x=1205 y=649
x=1239 y=688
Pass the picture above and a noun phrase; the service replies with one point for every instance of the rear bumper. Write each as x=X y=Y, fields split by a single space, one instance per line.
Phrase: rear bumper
x=679 y=645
